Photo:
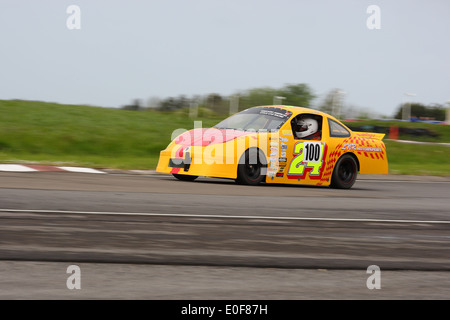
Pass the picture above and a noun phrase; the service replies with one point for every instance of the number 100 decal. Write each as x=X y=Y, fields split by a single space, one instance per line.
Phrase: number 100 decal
x=307 y=155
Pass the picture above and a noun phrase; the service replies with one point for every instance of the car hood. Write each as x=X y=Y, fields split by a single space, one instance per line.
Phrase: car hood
x=208 y=136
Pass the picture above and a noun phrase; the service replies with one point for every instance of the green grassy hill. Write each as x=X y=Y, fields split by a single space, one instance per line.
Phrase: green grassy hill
x=50 y=133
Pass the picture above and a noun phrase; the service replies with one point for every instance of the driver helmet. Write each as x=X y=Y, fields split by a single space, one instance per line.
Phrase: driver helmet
x=306 y=127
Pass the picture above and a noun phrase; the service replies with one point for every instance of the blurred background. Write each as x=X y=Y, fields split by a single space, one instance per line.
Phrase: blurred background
x=74 y=64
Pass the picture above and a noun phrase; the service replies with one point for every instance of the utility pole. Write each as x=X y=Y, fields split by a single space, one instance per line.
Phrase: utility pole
x=406 y=112
x=447 y=119
x=278 y=100
x=337 y=103
x=234 y=104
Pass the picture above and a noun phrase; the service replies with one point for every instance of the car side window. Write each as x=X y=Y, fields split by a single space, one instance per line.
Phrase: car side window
x=337 y=130
x=307 y=127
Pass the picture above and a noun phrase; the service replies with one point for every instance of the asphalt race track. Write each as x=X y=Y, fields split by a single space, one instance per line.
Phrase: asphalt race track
x=153 y=237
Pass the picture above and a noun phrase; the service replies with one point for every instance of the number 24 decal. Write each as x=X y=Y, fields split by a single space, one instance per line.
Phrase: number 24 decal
x=307 y=155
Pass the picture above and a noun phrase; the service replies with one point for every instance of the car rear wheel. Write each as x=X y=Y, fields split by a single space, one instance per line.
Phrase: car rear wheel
x=251 y=168
x=184 y=177
x=344 y=173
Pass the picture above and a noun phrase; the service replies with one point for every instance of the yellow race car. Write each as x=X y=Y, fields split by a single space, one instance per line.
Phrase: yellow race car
x=276 y=144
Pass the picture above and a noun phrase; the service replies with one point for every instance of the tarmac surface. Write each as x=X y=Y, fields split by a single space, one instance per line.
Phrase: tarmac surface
x=148 y=236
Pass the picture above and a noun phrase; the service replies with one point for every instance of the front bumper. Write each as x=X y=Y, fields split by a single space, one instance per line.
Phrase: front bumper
x=196 y=163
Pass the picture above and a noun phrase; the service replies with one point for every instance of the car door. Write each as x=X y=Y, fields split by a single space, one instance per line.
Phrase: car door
x=296 y=159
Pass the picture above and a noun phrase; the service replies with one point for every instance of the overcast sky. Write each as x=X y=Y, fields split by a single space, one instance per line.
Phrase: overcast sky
x=128 y=50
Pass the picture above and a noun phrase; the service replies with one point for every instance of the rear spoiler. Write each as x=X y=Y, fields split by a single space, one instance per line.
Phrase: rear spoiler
x=370 y=135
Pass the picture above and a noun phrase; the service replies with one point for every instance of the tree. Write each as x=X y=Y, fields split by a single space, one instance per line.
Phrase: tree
x=256 y=97
x=171 y=104
x=215 y=102
x=135 y=106
x=293 y=94
x=297 y=95
x=421 y=111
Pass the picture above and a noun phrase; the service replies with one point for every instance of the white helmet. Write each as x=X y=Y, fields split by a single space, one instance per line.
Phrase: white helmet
x=306 y=127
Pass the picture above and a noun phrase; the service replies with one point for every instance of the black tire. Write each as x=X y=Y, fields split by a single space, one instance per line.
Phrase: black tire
x=344 y=173
x=184 y=177
x=249 y=172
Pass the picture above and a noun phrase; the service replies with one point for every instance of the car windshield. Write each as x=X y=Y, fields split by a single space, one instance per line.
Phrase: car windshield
x=256 y=119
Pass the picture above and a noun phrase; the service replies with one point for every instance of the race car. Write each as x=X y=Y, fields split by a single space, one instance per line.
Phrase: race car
x=276 y=144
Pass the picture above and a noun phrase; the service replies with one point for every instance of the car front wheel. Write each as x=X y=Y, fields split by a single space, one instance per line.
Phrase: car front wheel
x=251 y=168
